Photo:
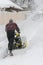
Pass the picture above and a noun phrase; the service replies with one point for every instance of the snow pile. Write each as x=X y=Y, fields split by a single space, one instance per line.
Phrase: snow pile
x=39 y=4
x=3 y=42
x=7 y=4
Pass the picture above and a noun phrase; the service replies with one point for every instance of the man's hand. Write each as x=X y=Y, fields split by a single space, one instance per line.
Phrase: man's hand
x=19 y=32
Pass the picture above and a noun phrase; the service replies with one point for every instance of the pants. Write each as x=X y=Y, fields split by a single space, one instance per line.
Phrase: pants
x=10 y=36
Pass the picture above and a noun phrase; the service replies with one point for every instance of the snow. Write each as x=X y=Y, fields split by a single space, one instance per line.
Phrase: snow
x=8 y=3
x=39 y=4
x=32 y=28
x=33 y=55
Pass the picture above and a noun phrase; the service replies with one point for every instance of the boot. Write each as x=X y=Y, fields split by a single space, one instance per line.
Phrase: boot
x=11 y=54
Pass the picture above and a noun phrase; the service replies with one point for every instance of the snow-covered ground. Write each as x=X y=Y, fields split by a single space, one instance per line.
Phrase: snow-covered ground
x=32 y=28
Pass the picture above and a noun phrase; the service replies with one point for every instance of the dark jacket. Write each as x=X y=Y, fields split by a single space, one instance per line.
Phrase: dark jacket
x=12 y=26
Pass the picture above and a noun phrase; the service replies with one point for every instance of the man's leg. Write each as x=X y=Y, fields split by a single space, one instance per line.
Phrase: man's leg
x=10 y=36
x=10 y=47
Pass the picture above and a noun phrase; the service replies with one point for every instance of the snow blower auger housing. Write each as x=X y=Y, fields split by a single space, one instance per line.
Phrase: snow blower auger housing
x=19 y=43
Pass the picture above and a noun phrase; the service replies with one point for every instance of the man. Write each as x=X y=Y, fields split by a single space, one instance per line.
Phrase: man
x=10 y=30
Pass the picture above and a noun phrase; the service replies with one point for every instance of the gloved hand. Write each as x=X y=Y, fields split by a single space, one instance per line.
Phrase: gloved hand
x=19 y=32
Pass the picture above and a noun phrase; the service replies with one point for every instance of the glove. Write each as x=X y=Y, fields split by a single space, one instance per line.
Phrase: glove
x=19 y=32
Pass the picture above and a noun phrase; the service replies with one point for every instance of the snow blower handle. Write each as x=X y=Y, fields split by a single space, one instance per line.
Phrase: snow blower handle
x=19 y=32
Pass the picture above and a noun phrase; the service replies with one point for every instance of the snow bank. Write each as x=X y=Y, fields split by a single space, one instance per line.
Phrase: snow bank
x=39 y=4
x=3 y=42
x=8 y=3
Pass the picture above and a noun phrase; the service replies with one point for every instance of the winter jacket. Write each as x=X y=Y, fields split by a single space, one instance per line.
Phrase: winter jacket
x=12 y=26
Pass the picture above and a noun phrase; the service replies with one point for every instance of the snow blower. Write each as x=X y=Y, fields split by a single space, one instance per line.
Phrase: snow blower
x=19 y=42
